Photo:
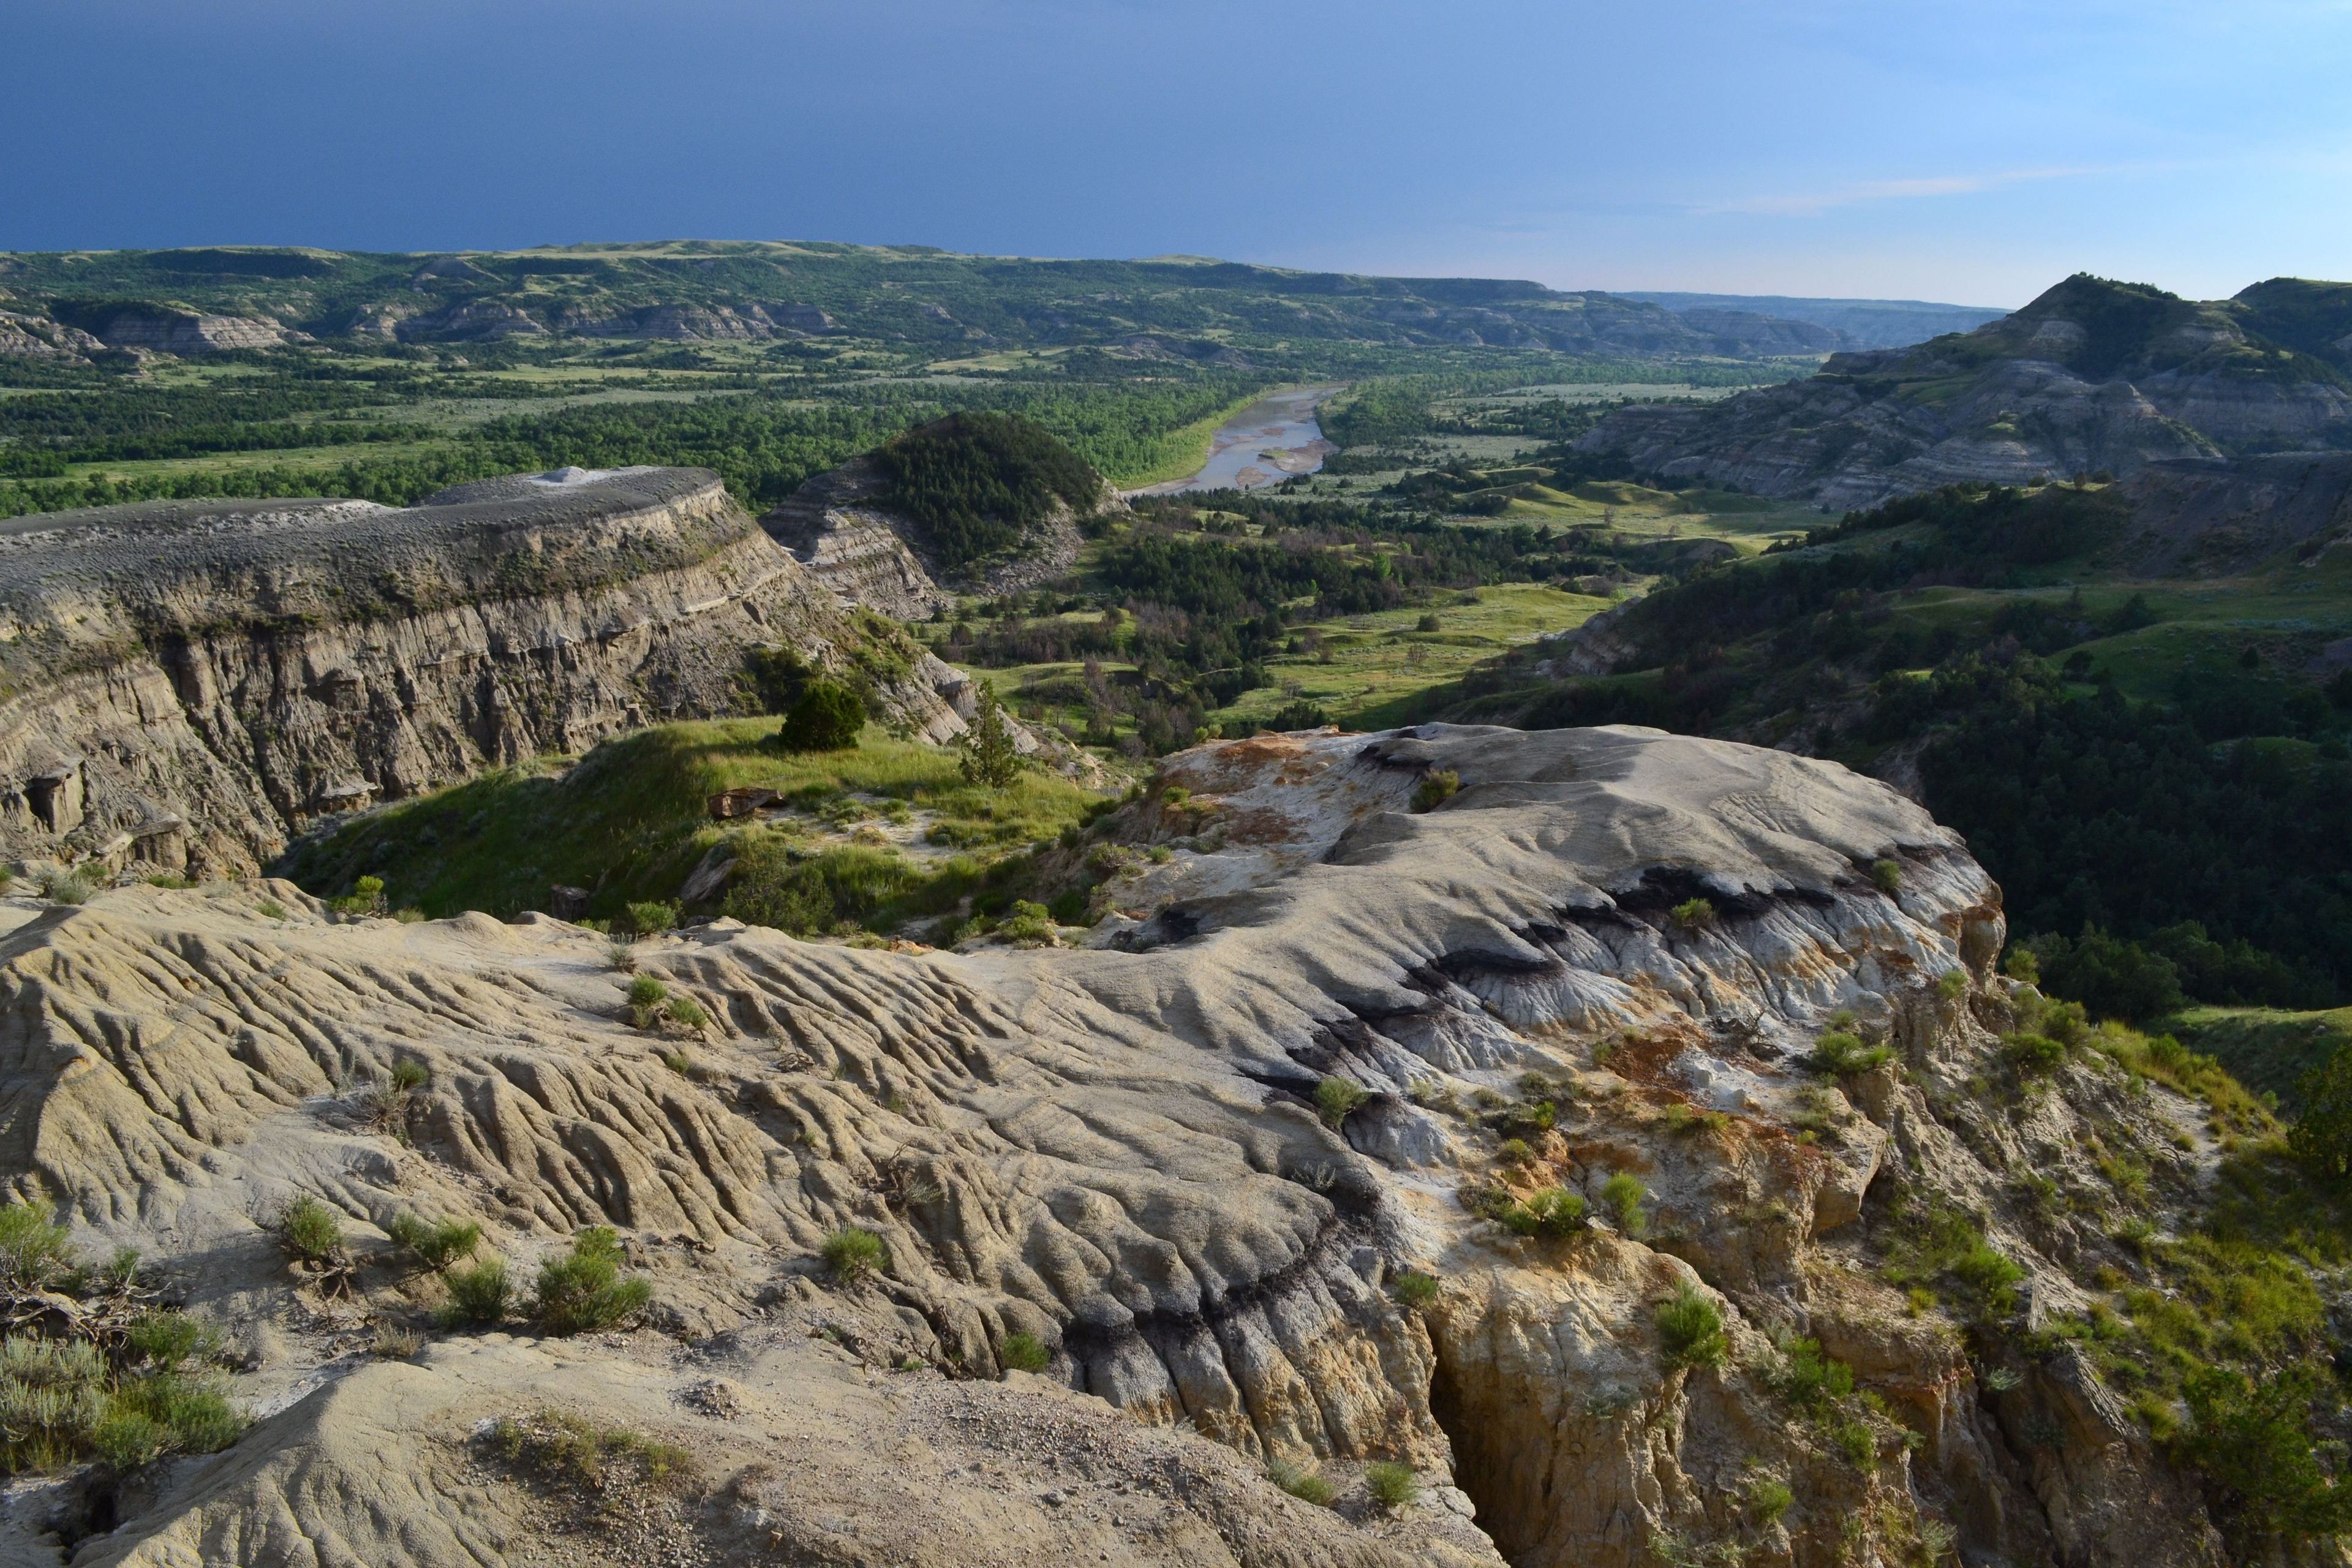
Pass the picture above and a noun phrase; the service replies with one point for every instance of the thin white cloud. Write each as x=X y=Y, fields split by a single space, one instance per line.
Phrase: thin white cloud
x=1814 y=203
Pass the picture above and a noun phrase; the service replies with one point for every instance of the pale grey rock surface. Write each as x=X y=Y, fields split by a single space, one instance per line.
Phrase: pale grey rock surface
x=247 y=666
x=1114 y=1149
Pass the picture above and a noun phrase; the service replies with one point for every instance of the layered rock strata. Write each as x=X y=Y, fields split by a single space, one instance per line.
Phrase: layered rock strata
x=1117 y=1152
x=2091 y=376
x=238 y=668
x=840 y=527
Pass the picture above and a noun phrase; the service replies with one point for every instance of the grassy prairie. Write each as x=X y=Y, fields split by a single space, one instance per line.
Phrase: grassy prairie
x=1373 y=671
x=630 y=820
x=2264 y=1048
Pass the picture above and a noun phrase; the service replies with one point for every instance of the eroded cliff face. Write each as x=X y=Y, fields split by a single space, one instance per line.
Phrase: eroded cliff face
x=1612 y=945
x=189 y=682
x=840 y=527
x=2091 y=376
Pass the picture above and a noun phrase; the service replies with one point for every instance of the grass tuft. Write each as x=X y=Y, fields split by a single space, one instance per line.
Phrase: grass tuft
x=853 y=1254
x=1393 y=1485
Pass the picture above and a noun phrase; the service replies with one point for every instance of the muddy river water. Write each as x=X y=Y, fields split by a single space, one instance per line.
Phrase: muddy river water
x=1265 y=443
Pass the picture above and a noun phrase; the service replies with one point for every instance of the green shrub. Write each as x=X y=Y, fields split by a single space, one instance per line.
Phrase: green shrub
x=1515 y=1151
x=1691 y=1326
x=1886 y=875
x=651 y=916
x=775 y=678
x=648 y=1000
x=477 y=1296
x=1304 y=1484
x=1842 y=1054
x=407 y=1077
x=1030 y=922
x=1952 y=984
x=193 y=1414
x=59 y=1404
x=1022 y=1351
x=827 y=717
x=64 y=888
x=585 y=1290
x=775 y=886
x=436 y=1247
x=685 y=1012
x=853 y=1254
x=1530 y=1120
x=34 y=1250
x=1296 y=714
x=2021 y=964
x=1623 y=1195
x=365 y=897
x=2256 y=1438
x=310 y=1230
x=168 y=1338
x=1809 y=1380
x=1988 y=1272
x=270 y=909
x=1553 y=1211
x=52 y=1398
x=1336 y=1098
x=1769 y=1498
x=1394 y=1486
x=1859 y=1443
x=2032 y=1055
x=1415 y=1289
x=990 y=757
x=1435 y=789
x=2322 y=1135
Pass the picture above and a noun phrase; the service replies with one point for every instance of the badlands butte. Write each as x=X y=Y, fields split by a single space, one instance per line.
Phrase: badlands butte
x=1453 y=1144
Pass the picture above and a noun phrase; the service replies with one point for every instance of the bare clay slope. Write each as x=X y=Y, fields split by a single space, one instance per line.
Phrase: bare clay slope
x=2093 y=375
x=190 y=681
x=1114 y=1151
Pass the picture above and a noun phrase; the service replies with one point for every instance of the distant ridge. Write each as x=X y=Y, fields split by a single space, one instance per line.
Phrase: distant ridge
x=1867 y=323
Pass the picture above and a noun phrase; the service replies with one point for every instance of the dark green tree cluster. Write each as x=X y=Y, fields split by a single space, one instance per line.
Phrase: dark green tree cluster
x=979 y=482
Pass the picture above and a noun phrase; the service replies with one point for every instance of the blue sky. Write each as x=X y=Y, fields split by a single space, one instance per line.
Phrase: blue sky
x=1970 y=153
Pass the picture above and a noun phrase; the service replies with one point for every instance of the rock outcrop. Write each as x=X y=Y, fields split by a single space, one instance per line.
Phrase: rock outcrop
x=189 y=682
x=188 y=333
x=835 y=527
x=840 y=527
x=1628 y=936
x=24 y=336
x=2222 y=517
x=2091 y=376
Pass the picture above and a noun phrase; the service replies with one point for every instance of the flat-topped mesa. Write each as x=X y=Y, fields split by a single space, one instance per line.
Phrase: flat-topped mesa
x=188 y=682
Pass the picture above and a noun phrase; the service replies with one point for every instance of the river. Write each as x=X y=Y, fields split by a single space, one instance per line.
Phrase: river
x=1265 y=444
